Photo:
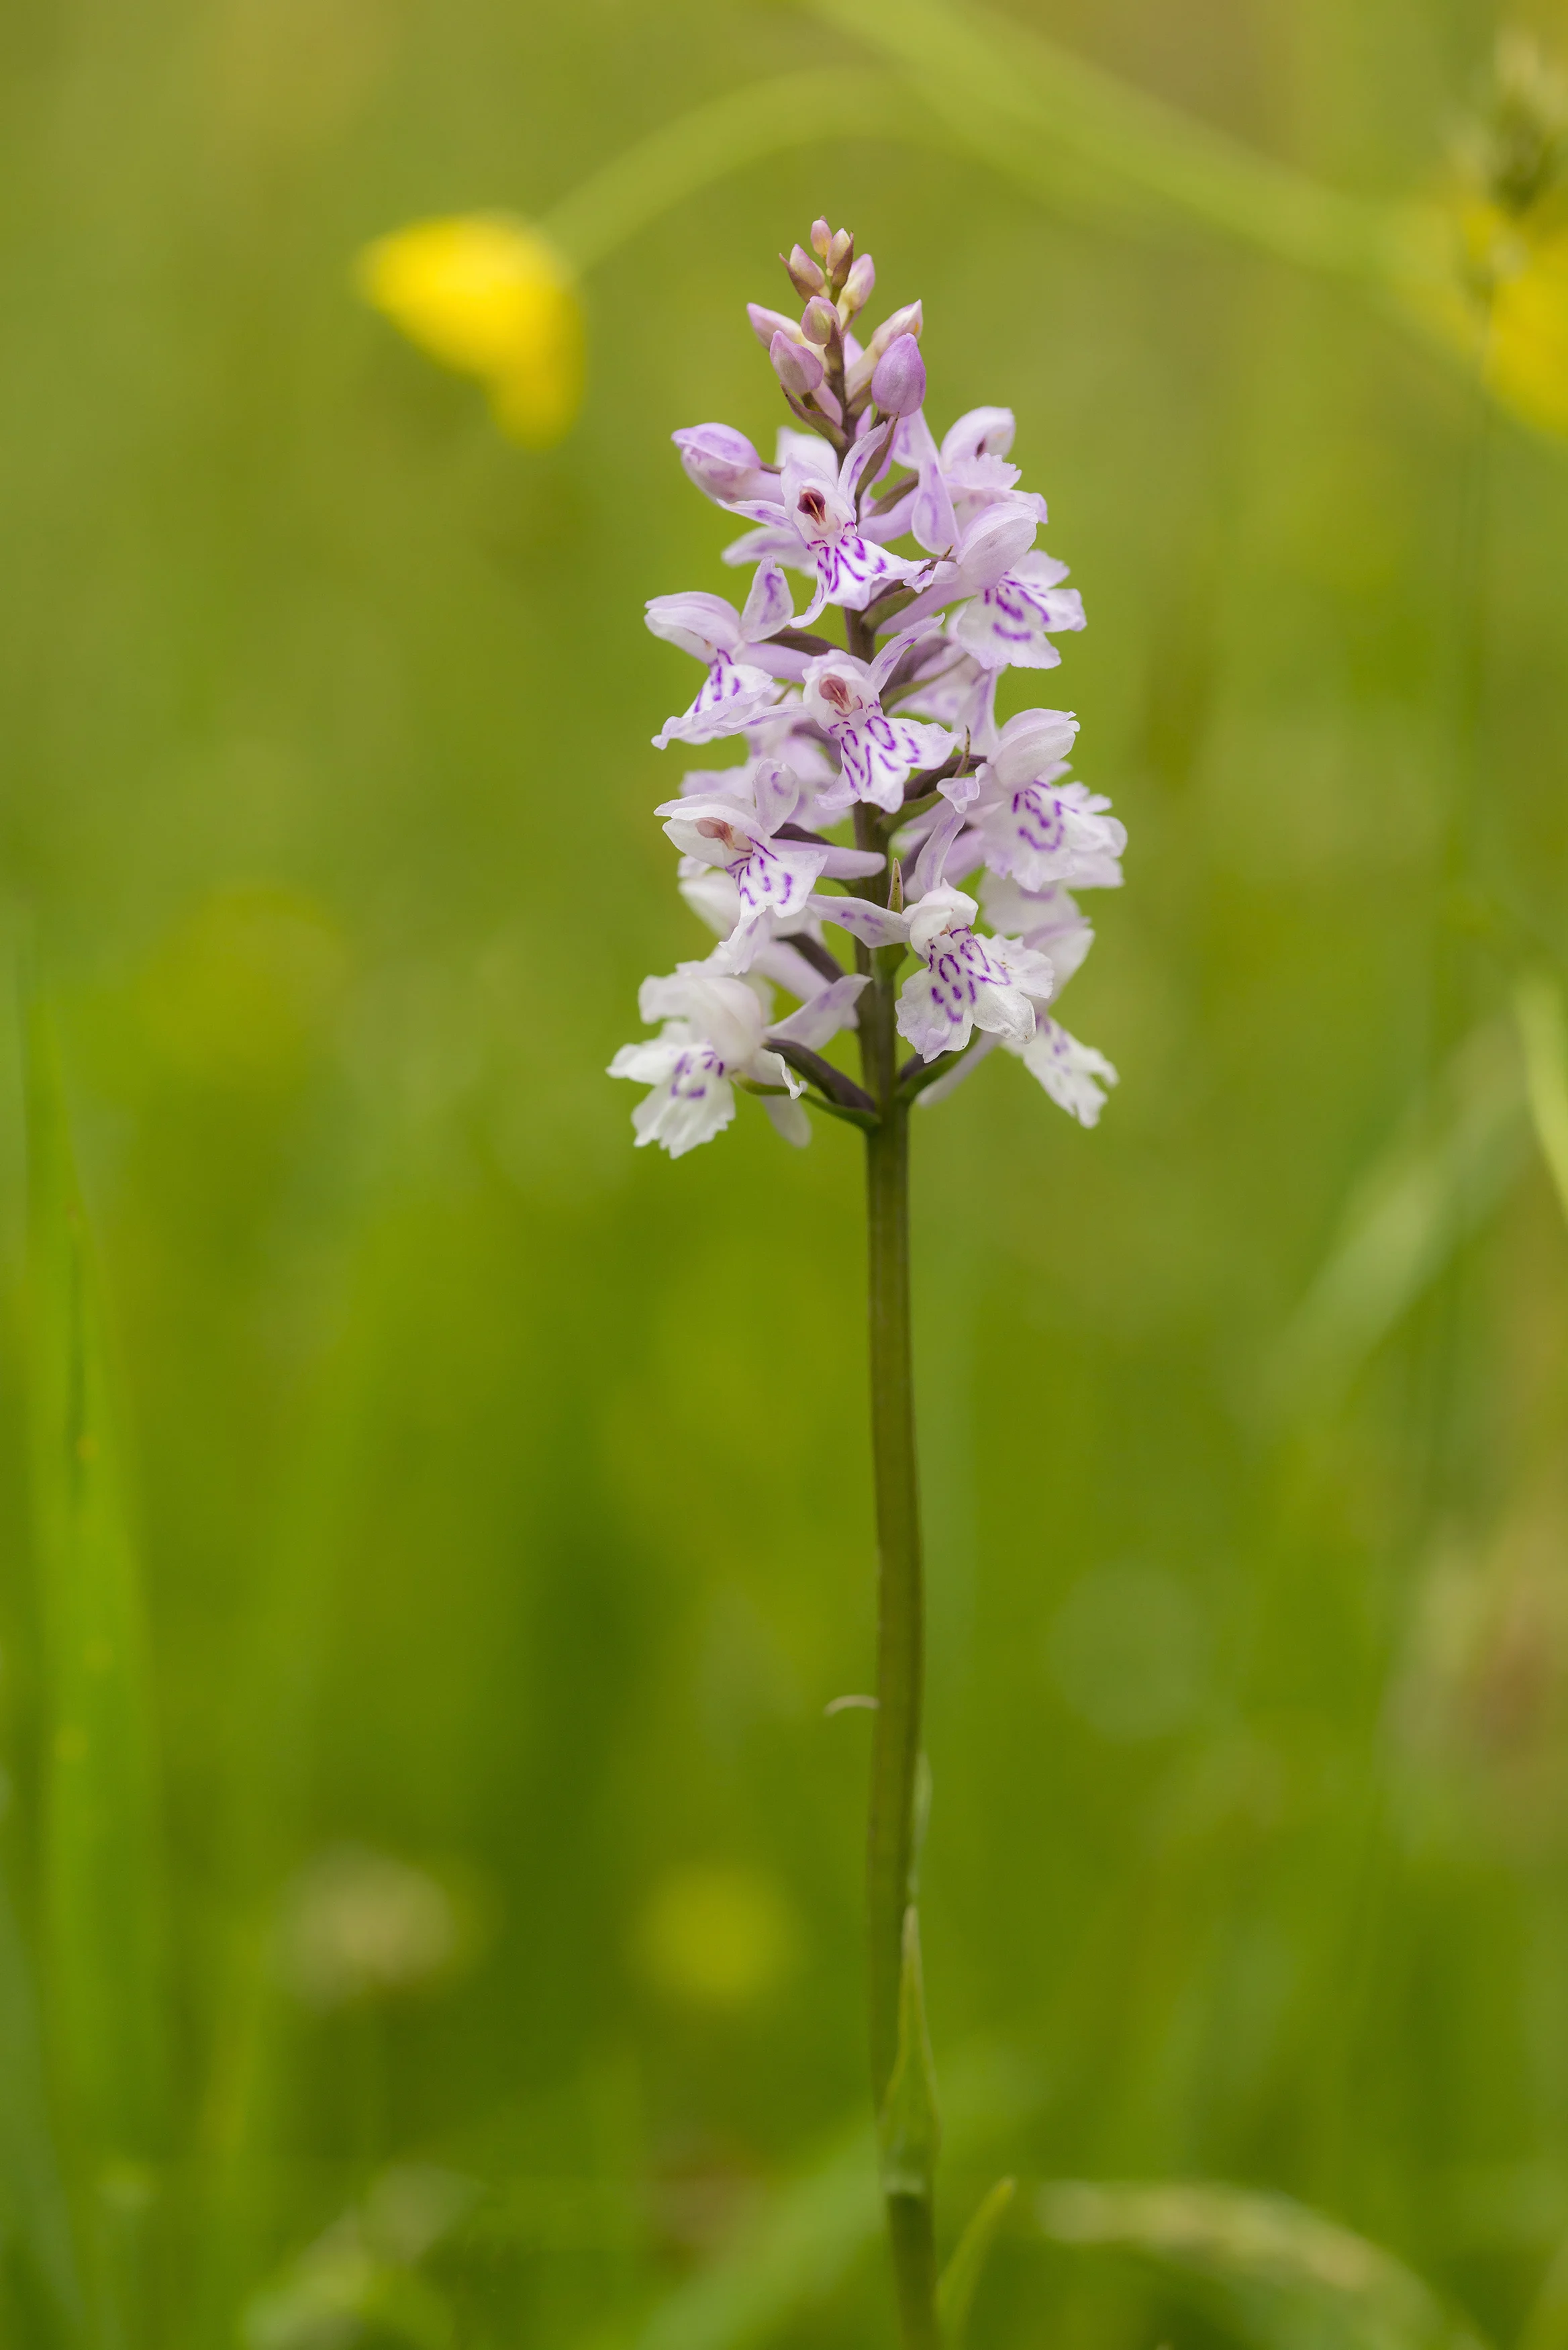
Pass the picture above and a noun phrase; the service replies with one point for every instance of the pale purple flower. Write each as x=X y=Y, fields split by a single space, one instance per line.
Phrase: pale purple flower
x=813 y=524
x=735 y=692
x=1032 y=824
x=878 y=753
x=958 y=481
x=1050 y=920
x=1074 y=1074
x=949 y=686
x=969 y=981
x=1009 y=598
x=1058 y=935
x=773 y=878
x=1010 y=623
x=715 y=1033
x=713 y=898
x=712 y=1034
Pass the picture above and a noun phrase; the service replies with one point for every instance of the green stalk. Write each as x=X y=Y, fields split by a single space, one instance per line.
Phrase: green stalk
x=900 y=1613
x=891 y=1839
x=901 y=2082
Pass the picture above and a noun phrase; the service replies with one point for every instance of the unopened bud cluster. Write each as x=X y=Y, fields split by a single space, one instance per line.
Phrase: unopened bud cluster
x=874 y=782
x=827 y=378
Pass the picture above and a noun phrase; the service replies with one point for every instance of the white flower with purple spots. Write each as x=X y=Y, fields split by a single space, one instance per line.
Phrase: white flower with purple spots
x=773 y=874
x=1010 y=624
x=1074 y=1074
x=814 y=524
x=876 y=754
x=969 y=981
x=1036 y=828
x=712 y=1034
x=1050 y=920
x=716 y=1034
x=1009 y=599
x=714 y=899
x=953 y=690
x=957 y=481
x=737 y=692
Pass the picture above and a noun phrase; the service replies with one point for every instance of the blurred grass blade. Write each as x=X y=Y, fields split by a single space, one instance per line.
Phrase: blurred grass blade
x=988 y=78
x=1544 y=1029
x=727 y=134
x=1412 y=1208
x=1546 y=2325
x=955 y=2294
x=791 y=2260
x=102 y=1913
x=34 y=2217
x=276 y=1693
x=806 y=2242
x=1277 y=2260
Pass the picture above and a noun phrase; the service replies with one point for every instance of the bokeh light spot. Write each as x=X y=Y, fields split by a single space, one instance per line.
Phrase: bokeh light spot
x=717 y=1937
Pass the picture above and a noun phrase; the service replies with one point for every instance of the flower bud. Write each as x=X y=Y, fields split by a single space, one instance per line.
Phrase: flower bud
x=857 y=287
x=906 y=321
x=898 y=385
x=766 y=323
x=821 y=238
x=796 y=366
x=803 y=273
x=819 y=322
x=839 y=255
x=721 y=462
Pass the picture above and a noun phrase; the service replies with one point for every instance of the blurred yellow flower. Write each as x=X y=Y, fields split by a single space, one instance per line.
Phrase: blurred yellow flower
x=1524 y=269
x=488 y=295
x=1506 y=300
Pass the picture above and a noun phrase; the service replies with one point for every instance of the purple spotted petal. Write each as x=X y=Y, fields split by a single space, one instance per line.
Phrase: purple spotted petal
x=732 y=696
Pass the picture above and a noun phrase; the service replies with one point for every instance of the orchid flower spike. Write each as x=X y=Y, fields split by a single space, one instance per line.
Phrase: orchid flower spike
x=835 y=858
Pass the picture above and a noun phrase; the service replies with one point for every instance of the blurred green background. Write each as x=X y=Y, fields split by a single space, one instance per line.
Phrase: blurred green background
x=500 y=1496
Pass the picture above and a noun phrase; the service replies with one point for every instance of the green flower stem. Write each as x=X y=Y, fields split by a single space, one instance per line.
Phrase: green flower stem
x=893 y=1828
x=901 y=1620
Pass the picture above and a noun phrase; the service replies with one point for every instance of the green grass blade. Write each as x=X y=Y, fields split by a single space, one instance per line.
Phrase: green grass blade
x=963 y=2273
x=805 y=2241
x=1543 y=1031
x=1413 y=1208
x=725 y=134
x=102 y=1914
x=1274 y=2261
x=974 y=65
x=36 y=2242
